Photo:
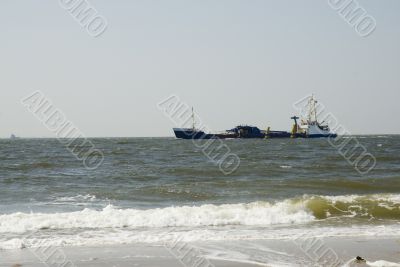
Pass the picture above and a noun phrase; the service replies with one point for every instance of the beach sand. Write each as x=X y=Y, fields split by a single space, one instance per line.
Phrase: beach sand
x=245 y=253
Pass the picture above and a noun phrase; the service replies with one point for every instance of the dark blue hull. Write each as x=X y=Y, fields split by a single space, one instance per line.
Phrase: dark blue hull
x=277 y=134
x=191 y=134
x=322 y=136
x=188 y=133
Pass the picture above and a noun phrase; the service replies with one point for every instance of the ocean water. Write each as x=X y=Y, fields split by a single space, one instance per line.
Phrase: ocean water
x=152 y=189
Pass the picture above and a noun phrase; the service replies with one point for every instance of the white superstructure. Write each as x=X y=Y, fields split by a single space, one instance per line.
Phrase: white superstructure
x=310 y=125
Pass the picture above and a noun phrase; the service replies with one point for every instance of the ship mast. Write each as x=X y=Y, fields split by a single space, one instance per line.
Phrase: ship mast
x=193 y=122
x=312 y=109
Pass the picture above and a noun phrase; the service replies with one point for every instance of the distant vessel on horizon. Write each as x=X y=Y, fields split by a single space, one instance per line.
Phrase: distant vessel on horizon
x=309 y=127
x=13 y=136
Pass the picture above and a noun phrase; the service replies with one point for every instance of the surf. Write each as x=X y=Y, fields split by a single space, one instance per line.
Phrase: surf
x=292 y=211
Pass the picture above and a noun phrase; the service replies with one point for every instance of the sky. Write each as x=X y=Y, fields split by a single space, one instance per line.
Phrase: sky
x=234 y=61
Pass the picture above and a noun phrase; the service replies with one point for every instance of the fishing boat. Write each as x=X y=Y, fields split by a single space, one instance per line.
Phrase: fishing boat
x=309 y=126
x=192 y=133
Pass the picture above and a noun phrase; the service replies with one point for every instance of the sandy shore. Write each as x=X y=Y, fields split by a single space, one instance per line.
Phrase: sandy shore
x=245 y=253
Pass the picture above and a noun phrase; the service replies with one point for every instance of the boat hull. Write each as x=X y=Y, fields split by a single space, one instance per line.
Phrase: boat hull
x=332 y=135
x=189 y=133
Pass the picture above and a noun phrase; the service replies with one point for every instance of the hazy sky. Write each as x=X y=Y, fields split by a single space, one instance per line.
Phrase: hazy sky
x=235 y=61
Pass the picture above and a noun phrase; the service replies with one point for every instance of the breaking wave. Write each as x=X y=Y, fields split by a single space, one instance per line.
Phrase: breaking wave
x=257 y=220
x=291 y=211
x=378 y=206
x=257 y=213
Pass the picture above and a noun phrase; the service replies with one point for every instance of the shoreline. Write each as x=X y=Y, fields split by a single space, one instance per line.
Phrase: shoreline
x=236 y=253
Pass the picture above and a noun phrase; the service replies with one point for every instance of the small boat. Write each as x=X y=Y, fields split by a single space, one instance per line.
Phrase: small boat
x=13 y=136
x=309 y=127
x=192 y=133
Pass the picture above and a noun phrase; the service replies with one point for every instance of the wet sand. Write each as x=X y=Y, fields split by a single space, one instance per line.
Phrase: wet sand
x=245 y=253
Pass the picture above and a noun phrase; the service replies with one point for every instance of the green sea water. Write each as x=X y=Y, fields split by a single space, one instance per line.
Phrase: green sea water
x=148 y=184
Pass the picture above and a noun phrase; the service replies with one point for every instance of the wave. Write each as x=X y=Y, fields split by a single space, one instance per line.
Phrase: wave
x=285 y=166
x=293 y=211
x=377 y=206
x=112 y=236
x=257 y=213
x=76 y=198
x=31 y=166
x=283 y=220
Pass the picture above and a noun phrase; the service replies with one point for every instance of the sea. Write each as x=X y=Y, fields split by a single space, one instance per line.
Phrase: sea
x=148 y=190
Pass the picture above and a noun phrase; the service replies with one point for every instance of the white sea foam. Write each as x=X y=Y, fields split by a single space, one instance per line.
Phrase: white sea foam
x=261 y=213
x=257 y=213
x=383 y=263
x=379 y=263
x=394 y=198
x=101 y=237
x=111 y=225
x=87 y=197
x=285 y=166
